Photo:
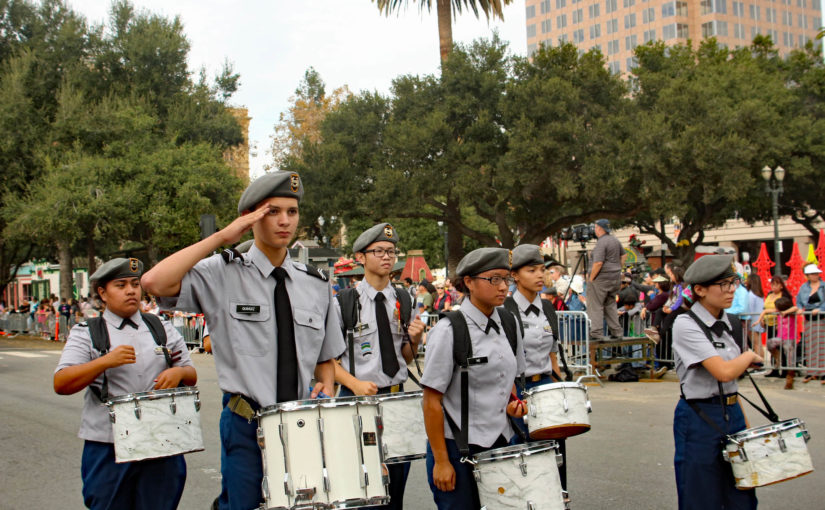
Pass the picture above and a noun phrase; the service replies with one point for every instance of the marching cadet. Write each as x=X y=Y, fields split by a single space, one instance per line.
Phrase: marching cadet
x=272 y=321
x=133 y=361
x=497 y=359
x=708 y=362
x=384 y=337
x=539 y=329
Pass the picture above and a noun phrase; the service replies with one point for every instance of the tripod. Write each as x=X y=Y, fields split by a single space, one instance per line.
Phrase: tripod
x=582 y=260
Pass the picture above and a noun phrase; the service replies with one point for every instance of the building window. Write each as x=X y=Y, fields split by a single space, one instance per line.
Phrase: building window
x=546 y=26
x=614 y=67
x=803 y=40
x=707 y=30
x=531 y=48
x=650 y=35
x=721 y=28
x=613 y=47
x=578 y=16
x=561 y=21
x=754 y=12
x=632 y=63
x=706 y=6
x=612 y=26
x=596 y=31
x=816 y=4
x=720 y=6
x=738 y=9
x=787 y=18
x=563 y=39
x=609 y=6
x=530 y=11
x=593 y=11
x=787 y=39
x=774 y=36
x=531 y=30
x=545 y=6
x=630 y=42
x=682 y=30
x=770 y=15
x=649 y=15
x=668 y=9
x=803 y=21
x=560 y=4
x=630 y=20
x=628 y=3
x=738 y=31
x=578 y=36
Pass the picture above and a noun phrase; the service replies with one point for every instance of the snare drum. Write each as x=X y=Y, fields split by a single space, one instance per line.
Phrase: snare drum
x=156 y=424
x=520 y=477
x=769 y=454
x=557 y=410
x=322 y=453
x=404 y=437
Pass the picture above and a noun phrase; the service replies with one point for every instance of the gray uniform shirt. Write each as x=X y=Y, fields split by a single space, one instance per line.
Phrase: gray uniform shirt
x=365 y=336
x=490 y=383
x=238 y=301
x=608 y=251
x=691 y=347
x=125 y=379
x=538 y=337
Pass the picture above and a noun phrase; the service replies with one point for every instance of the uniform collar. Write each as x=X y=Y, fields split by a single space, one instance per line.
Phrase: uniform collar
x=523 y=304
x=261 y=261
x=706 y=316
x=365 y=288
x=116 y=320
x=477 y=316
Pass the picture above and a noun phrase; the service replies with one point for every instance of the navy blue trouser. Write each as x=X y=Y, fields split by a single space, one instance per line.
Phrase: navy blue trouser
x=154 y=484
x=516 y=439
x=465 y=494
x=704 y=481
x=241 y=462
x=398 y=472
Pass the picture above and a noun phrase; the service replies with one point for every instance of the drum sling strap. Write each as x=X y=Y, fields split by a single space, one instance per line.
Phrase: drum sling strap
x=101 y=343
x=463 y=357
x=553 y=320
x=768 y=412
x=351 y=316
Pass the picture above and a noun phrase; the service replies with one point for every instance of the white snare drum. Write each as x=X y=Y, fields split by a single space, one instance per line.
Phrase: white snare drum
x=156 y=424
x=769 y=454
x=520 y=477
x=557 y=410
x=404 y=437
x=322 y=453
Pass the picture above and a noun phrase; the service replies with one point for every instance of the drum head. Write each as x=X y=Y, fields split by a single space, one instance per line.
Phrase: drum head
x=560 y=431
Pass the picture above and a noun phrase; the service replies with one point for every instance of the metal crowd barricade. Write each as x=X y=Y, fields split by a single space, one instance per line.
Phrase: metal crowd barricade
x=190 y=326
x=798 y=341
x=18 y=322
x=574 y=333
x=4 y=322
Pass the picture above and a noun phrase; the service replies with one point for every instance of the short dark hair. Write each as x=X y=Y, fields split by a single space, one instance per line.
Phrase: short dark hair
x=783 y=303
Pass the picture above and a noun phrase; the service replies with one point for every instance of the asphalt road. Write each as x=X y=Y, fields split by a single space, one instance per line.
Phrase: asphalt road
x=624 y=462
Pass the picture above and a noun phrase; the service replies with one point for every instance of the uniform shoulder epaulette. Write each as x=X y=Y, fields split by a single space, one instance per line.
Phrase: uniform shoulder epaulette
x=313 y=271
x=82 y=324
x=231 y=255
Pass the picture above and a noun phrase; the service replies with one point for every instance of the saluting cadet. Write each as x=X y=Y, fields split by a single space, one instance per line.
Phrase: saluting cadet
x=540 y=330
x=272 y=320
x=132 y=364
x=383 y=341
x=484 y=274
x=708 y=362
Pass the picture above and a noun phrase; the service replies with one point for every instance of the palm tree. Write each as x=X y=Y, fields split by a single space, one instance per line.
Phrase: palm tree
x=445 y=10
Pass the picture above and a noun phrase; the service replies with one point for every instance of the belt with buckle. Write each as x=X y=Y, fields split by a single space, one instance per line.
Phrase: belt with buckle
x=244 y=408
x=395 y=388
x=729 y=399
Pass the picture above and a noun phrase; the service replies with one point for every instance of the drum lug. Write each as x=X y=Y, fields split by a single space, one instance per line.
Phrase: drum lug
x=725 y=456
x=559 y=460
x=531 y=505
x=173 y=406
x=365 y=477
x=137 y=410
x=565 y=496
x=588 y=406
x=532 y=410
x=782 y=446
x=477 y=475
x=385 y=475
x=112 y=416
x=326 y=480
x=523 y=466
x=742 y=453
x=261 y=439
x=566 y=407
x=197 y=402
x=806 y=436
x=287 y=485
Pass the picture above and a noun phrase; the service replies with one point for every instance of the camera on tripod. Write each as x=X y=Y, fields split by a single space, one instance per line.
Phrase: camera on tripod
x=580 y=233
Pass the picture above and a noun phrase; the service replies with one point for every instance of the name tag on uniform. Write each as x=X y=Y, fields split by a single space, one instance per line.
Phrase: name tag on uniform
x=477 y=361
x=248 y=309
x=548 y=329
x=159 y=350
x=361 y=327
x=719 y=345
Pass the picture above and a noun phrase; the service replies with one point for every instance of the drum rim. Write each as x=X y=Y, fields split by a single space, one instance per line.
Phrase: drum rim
x=403 y=395
x=764 y=430
x=512 y=452
x=315 y=403
x=154 y=395
x=554 y=386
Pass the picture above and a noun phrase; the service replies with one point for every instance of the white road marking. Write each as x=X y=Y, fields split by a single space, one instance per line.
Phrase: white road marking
x=23 y=354
x=52 y=352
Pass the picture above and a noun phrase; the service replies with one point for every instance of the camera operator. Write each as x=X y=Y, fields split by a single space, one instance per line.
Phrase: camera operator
x=604 y=282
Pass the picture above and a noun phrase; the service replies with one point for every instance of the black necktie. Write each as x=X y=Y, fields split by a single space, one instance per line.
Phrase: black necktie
x=287 y=375
x=389 y=361
x=719 y=327
x=532 y=309
x=127 y=322
x=491 y=325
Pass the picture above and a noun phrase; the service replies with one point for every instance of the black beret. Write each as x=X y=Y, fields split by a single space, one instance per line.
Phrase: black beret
x=484 y=259
x=271 y=184
x=527 y=255
x=710 y=268
x=117 y=268
x=374 y=234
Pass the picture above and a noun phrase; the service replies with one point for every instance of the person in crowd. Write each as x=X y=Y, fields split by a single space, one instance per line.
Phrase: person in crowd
x=768 y=316
x=425 y=297
x=484 y=275
x=557 y=297
x=451 y=290
x=627 y=303
x=64 y=309
x=555 y=272
x=756 y=303
x=708 y=362
x=740 y=301
x=130 y=366
x=675 y=300
x=811 y=299
x=654 y=307
x=274 y=320
x=783 y=346
x=376 y=361
x=604 y=282
x=443 y=301
x=411 y=288
x=43 y=314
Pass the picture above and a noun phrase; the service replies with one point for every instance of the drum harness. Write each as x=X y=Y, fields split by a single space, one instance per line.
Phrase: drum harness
x=463 y=357
x=101 y=342
x=768 y=412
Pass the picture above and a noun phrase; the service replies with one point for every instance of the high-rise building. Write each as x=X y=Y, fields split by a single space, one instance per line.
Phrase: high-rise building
x=618 y=26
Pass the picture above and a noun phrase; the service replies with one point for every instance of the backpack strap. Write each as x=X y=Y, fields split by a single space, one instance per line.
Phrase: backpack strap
x=553 y=319
x=158 y=332
x=350 y=311
x=462 y=352
x=512 y=307
x=100 y=341
x=508 y=322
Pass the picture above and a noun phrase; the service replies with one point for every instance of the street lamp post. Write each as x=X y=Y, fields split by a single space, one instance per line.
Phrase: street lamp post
x=773 y=187
x=442 y=228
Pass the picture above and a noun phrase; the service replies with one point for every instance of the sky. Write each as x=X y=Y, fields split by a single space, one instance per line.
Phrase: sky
x=271 y=43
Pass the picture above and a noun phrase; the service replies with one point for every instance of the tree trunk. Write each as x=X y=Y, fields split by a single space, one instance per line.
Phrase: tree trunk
x=445 y=29
x=91 y=256
x=64 y=258
x=455 y=239
x=152 y=253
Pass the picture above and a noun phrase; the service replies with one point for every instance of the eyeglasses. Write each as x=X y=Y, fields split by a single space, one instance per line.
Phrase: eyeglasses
x=380 y=252
x=728 y=285
x=496 y=280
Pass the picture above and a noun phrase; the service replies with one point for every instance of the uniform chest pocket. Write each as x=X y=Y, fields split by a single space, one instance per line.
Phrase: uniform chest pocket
x=251 y=334
x=307 y=318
